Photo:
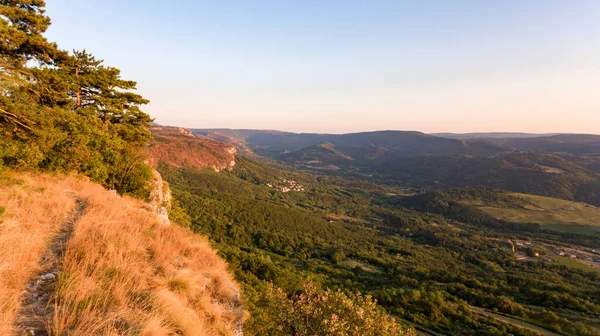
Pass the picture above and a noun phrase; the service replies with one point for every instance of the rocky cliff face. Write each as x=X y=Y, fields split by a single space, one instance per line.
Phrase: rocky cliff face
x=160 y=197
x=179 y=147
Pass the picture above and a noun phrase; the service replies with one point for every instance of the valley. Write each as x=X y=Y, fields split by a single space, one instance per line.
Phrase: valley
x=427 y=255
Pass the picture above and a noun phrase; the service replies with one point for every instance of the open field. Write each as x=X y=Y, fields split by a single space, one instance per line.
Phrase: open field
x=575 y=263
x=554 y=214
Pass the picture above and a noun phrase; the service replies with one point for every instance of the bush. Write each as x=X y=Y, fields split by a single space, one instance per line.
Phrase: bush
x=318 y=312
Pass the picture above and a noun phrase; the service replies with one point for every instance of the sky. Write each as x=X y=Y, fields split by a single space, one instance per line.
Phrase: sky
x=335 y=66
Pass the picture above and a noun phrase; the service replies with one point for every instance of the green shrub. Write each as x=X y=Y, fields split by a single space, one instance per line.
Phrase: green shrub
x=318 y=312
x=178 y=215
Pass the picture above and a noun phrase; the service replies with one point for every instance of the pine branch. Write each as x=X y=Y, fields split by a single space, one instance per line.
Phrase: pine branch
x=13 y=119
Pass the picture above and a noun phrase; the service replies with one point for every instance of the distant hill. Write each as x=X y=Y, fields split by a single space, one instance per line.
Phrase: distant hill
x=565 y=166
x=355 y=146
x=272 y=143
x=490 y=135
x=361 y=150
x=560 y=143
x=539 y=174
x=318 y=155
x=591 y=162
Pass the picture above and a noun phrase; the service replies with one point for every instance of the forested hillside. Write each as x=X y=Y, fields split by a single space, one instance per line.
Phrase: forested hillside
x=556 y=165
x=539 y=174
x=431 y=261
x=557 y=143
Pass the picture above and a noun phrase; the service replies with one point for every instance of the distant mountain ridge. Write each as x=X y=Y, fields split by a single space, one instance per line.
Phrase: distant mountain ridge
x=566 y=166
x=558 y=144
x=277 y=144
x=491 y=135
x=355 y=145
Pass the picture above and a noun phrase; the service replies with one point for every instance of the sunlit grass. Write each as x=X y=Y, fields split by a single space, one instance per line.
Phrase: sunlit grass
x=123 y=271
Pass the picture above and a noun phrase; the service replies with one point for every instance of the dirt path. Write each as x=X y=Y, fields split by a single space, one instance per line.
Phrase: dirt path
x=515 y=322
x=37 y=306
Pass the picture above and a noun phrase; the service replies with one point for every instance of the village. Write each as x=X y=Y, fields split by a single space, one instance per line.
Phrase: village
x=527 y=250
x=285 y=185
x=587 y=254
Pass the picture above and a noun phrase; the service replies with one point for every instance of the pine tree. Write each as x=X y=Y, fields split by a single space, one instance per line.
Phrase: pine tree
x=101 y=88
x=21 y=40
x=22 y=24
x=66 y=112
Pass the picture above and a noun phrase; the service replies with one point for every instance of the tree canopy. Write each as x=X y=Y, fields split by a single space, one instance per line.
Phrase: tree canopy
x=66 y=111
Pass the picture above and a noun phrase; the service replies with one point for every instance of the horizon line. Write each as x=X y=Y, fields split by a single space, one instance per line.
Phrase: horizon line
x=373 y=131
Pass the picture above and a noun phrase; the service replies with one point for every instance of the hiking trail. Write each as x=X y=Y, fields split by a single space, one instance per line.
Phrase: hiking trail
x=38 y=300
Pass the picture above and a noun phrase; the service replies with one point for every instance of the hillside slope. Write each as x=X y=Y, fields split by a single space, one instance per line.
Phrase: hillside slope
x=558 y=143
x=539 y=174
x=79 y=260
x=179 y=147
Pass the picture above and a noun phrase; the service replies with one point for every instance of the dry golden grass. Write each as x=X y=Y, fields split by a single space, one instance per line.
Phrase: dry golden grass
x=123 y=271
x=36 y=207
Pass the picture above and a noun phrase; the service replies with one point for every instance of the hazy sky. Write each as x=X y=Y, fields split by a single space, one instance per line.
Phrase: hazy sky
x=345 y=66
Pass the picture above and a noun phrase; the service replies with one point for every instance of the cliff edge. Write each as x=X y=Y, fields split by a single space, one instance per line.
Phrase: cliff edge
x=179 y=147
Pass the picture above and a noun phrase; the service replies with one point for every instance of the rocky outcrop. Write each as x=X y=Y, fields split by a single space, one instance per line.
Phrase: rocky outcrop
x=160 y=203
x=160 y=197
x=179 y=147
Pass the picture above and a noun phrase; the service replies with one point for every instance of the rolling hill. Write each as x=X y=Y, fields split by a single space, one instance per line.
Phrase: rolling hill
x=409 y=143
x=558 y=144
x=489 y=135
x=539 y=174
x=565 y=166
x=358 y=146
